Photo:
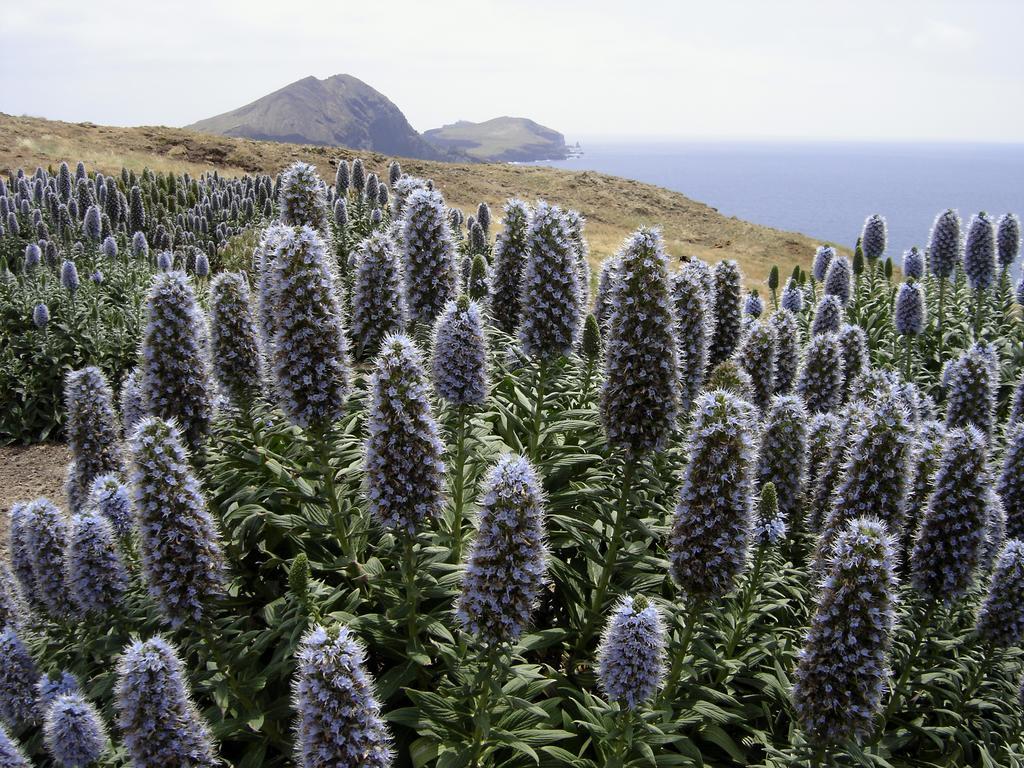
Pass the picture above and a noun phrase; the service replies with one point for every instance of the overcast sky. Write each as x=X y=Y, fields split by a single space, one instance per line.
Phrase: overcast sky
x=659 y=69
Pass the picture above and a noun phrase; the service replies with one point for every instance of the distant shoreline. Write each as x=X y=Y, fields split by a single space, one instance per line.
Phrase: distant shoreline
x=825 y=189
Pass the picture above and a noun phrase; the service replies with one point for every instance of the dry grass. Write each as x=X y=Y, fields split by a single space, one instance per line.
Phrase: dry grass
x=613 y=206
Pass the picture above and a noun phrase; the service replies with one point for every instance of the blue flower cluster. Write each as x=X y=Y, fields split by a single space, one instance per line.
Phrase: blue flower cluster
x=842 y=669
x=1017 y=404
x=929 y=443
x=875 y=473
x=511 y=248
x=1011 y=480
x=97 y=577
x=631 y=656
x=913 y=264
x=828 y=316
x=995 y=529
x=606 y=279
x=970 y=384
x=310 y=350
x=822 y=259
x=711 y=527
x=40 y=315
x=949 y=544
x=821 y=439
x=52 y=685
x=73 y=732
x=909 y=313
x=1001 y=616
x=430 y=274
x=821 y=378
x=980 y=253
x=782 y=456
x=506 y=567
x=854 y=345
x=638 y=398
x=405 y=471
x=302 y=198
x=378 y=295
x=551 y=301
x=756 y=356
x=13 y=610
x=159 y=723
x=234 y=339
x=769 y=523
x=839 y=280
x=691 y=329
x=92 y=431
x=132 y=407
x=11 y=755
x=792 y=297
x=753 y=305
x=20 y=553
x=945 y=244
x=459 y=354
x=113 y=500
x=18 y=676
x=45 y=532
x=575 y=222
x=727 y=325
x=873 y=237
x=339 y=719
x=1007 y=239
x=181 y=550
x=69 y=276
x=266 y=287
x=787 y=349
x=175 y=381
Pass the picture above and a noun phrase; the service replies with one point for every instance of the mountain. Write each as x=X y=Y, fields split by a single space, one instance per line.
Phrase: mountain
x=501 y=140
x=338 y=111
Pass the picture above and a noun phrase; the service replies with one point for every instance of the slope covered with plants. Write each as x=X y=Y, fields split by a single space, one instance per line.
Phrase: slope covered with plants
x=393 y=488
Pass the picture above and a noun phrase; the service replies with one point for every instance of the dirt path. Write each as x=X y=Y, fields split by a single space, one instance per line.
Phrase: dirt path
x=27 y=473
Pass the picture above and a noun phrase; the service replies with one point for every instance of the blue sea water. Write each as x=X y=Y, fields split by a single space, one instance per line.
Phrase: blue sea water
x=826 y=190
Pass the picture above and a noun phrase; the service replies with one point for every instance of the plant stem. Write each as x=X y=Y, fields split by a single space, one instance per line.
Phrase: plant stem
x=624 y=739
x=907 y=341
x=908 y=667
x=588 y=375
x=609 y=559
x=538 y=410
x=977 y=314
x=412 y=594
x=458 y=492
x=327 y=471
x=669 y=694
x=942 y=303
x=480 y=732
x=739 y=628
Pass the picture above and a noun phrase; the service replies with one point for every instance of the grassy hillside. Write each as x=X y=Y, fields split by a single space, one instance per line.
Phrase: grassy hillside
x=613 y=206
x=502 y=139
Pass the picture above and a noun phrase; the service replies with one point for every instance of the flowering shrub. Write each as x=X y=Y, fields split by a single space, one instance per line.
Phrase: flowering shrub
x=798 y=530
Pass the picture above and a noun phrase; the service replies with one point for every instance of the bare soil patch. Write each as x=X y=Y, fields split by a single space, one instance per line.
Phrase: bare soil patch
x=27 y=472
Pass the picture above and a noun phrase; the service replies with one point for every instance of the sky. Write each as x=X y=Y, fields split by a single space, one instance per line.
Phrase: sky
x=858 y=70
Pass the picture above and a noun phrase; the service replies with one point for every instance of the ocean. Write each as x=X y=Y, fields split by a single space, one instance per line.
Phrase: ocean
x=826 y=190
